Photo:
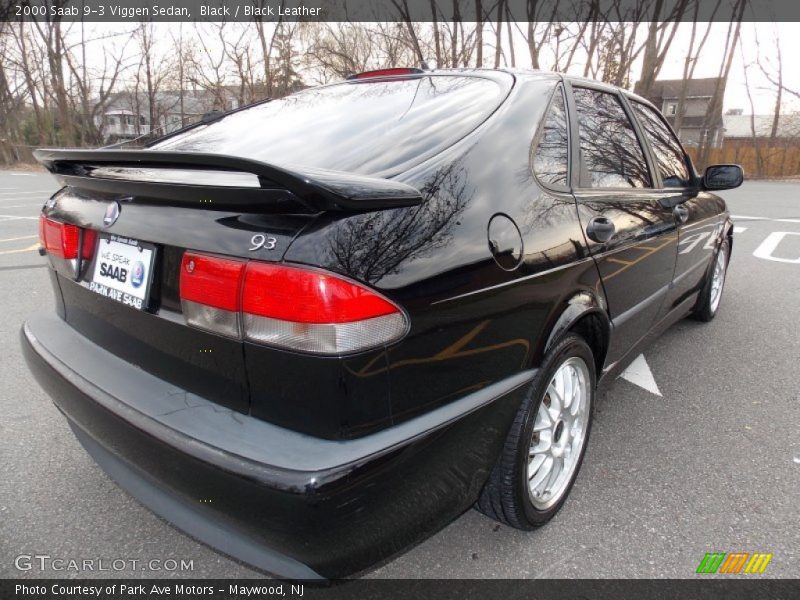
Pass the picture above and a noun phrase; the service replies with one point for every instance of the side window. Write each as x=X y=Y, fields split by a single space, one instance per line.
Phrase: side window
x=668 y=152
x=610 y=150
x=551 y=155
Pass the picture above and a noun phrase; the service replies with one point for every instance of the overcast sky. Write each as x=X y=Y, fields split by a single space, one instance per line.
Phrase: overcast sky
x=767 y=34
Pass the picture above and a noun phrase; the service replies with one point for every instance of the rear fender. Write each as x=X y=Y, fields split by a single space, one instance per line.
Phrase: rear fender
x=578 y=307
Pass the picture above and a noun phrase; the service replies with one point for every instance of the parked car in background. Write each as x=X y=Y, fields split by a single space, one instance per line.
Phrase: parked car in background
x=312 y=332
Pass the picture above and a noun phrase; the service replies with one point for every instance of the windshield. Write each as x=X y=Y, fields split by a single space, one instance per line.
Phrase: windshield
x=376 y=128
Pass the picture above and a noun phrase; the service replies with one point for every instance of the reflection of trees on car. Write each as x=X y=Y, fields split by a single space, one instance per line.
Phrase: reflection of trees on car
x=609 y=147
x=373 y=246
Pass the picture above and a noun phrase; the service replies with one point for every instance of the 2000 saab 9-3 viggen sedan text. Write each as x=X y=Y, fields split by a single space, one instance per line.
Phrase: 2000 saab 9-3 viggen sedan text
x=314 y=330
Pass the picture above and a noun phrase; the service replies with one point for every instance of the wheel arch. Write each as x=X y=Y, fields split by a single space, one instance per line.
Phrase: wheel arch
x=727 y=233
x=584 y=315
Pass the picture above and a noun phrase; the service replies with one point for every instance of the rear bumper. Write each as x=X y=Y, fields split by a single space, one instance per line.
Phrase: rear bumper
x=291 y=504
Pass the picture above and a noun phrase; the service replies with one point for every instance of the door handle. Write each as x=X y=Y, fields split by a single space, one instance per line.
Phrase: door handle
x=681 y=213
x=600 y=229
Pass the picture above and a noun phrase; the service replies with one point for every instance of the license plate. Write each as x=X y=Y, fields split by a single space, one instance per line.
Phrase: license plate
x=123 y=270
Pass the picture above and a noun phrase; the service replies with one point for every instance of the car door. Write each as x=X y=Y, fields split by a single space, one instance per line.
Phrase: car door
x=630 y=231
x=698 y=214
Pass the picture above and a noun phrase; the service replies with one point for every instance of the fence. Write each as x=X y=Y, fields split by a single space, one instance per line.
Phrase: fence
x=759 y=157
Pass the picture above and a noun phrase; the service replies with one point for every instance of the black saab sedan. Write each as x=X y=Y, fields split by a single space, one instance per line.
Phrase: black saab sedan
x=313 y=331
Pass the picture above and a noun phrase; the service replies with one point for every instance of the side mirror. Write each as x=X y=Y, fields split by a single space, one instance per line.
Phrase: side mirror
x=723 y=177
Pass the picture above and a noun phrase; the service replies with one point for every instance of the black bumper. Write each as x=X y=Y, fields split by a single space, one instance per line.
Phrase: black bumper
x=294 y=505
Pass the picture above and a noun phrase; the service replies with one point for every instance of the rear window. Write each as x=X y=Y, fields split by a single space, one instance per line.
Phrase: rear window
x=368 y=127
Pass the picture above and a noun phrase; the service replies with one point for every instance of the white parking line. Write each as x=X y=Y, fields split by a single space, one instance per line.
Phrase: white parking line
x=15 y=239
x=639 y=373
x=770 y=244
x=746 y=218
x=28 y=193
x=30 y=248
x=739 y=229
x=15 y=218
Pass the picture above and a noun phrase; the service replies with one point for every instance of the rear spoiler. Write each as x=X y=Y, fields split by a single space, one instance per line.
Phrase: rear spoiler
x=188 y=178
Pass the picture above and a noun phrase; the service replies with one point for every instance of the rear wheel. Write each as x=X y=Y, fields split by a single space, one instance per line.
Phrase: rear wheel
x=547 y=441
x=708 y=302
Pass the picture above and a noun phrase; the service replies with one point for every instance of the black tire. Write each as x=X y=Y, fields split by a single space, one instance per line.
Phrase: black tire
x=705 y=310
x=505 y=496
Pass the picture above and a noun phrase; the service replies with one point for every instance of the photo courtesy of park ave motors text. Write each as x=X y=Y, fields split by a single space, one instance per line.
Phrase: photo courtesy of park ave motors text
x=399 y=290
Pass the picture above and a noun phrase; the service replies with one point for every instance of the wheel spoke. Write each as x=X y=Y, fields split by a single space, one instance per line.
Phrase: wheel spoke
x=576 y=446
x=543 y=420
x=577 y=387
x=556 y=401
x=535 y=464
x=541 y=473
x=544 y=444
x=558 y=466
x=569 y=387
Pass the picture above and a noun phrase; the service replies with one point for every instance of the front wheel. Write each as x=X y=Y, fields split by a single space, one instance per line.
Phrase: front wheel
x=547 y=441
x=708 y=302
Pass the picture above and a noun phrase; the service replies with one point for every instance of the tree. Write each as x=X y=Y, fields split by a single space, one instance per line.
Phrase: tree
x=660 y=33
x=690 y=60
x=715 y=105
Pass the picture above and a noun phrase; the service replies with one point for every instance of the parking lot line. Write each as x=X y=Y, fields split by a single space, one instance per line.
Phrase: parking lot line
x=784 y=220
x=30 y=248
x=23 y=237
x=30 y=193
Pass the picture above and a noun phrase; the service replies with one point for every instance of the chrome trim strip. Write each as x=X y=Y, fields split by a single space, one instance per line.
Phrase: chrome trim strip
x=179 y=176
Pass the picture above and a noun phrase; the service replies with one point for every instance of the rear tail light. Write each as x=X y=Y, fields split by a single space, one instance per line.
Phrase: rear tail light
x=290 y=307
x=64 y=239
x=210 y=291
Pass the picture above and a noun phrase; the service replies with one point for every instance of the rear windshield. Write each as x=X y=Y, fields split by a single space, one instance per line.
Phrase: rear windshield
x=368 y=127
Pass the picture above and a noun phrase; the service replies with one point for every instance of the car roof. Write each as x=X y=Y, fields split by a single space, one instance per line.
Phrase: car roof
x=602 y=85
x=534 y=74
x=515 y=72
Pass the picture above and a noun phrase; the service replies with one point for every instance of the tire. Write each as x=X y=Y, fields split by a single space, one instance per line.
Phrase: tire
x=709 y=299
x=507 y=496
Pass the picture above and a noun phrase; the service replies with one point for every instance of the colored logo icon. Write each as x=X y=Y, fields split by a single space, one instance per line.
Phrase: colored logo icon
x=137 y=274
x=734 y=562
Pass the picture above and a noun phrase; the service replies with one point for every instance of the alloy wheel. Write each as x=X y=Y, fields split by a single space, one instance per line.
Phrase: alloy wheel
x=718 y=279
x=559 y=433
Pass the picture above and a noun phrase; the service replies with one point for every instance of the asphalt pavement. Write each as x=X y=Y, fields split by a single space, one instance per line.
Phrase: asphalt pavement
x=712 y=464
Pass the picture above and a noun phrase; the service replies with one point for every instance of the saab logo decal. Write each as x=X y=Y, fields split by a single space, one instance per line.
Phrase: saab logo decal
x=734 y=562
x=137 y=274
x=112 y=214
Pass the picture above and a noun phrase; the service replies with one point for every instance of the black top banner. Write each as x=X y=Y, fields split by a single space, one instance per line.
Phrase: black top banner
x=135 y=11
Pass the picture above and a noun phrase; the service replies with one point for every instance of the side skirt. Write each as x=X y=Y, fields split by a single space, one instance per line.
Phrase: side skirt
x=612 y=371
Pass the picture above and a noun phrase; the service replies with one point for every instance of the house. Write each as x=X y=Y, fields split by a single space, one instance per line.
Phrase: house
x=697 y=125
x=743 y=127
x=120 y=124
x=127 y=114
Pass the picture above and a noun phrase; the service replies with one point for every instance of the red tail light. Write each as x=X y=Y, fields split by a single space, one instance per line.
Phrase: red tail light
x=63 y=239
x=305 y=296
x=211 y=281
x=89 y=244
x=210 y=289
x=290 y=307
